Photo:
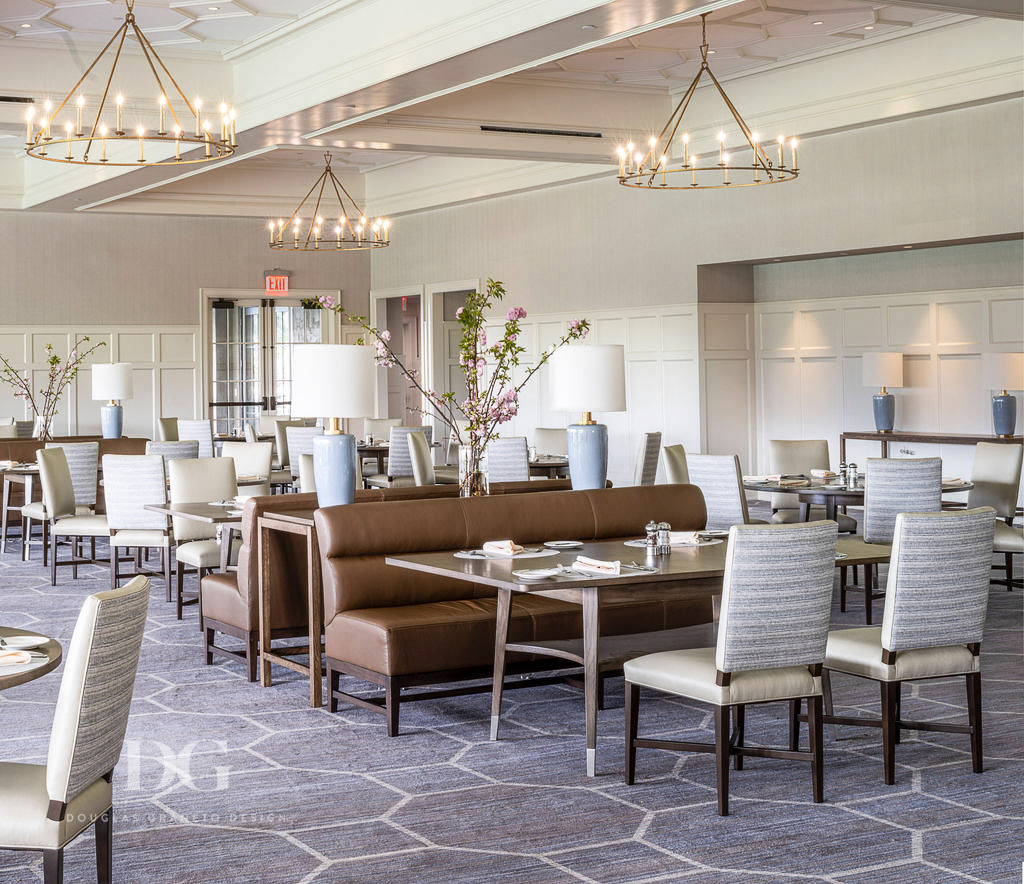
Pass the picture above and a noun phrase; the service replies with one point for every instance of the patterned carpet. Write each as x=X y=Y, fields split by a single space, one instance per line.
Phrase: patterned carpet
x=224 y=781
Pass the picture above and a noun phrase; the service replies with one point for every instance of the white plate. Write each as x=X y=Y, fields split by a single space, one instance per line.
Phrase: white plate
x=25 y=642
x=536 y=573
x=563 y=544
x=222 y=503
x=480 y=554
x=641 y=543
x=716 y=532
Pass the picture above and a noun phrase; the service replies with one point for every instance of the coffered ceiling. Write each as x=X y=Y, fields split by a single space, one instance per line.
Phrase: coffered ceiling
x=743 y=37
x=206 y=25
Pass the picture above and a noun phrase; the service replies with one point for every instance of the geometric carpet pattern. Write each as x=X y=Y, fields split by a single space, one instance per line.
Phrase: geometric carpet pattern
x=225 y=781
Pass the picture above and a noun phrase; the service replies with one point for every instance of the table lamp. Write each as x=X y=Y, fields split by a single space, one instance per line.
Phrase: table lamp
x=1003 y=371
x=112 y=381
x=883 y=370
x=588 y=378
x=333 y=381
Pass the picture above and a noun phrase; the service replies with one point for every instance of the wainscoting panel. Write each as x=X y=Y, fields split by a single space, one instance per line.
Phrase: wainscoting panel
x=166 y=374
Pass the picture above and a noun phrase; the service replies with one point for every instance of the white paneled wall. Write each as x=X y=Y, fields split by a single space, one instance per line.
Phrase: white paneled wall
x=661 y=378
x=809 y=367
x=166 y=362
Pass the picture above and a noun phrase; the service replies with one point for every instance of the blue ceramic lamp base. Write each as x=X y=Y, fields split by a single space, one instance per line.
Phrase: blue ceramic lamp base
x=334 y=468
x=588 y=455
x=111 y=421
x=885 y=411
x=1004 y=414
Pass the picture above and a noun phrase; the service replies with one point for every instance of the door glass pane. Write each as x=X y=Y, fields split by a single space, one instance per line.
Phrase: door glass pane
x=292 y=325
x=236 y=367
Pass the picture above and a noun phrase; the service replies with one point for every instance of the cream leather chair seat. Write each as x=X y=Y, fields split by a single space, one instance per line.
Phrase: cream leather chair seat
x=1008 y=539
x=204 y=553
x=23 y=821
x=859 y=652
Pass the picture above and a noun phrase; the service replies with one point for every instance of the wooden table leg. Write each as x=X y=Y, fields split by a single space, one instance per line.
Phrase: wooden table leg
x=3 y=516
x=502 y=617
x=26 y=530
x=225 y=548
x=316 y=619
x=830 y=507
x=263 y=550
x=591 y=670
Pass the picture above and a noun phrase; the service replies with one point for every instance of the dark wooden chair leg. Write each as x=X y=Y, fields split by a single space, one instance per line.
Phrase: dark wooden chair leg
x=332 y=686
x=5 y=507
x=974 y=718
x=251 y=654
x=165 y=556
x=53 y=560
x=817 y=738
x=738 y=722
x=53 y=866
x=869 y=572
x=46 y=541
x=722 y=758
x=794 y=725
x=632 y=725
x=1008 y=558
x=842 y=589
x=899 y=713
x=889 y=726
x=105 y=847
x=207 y=641
x=180 y=569
x=392 y=699
x=113 y=566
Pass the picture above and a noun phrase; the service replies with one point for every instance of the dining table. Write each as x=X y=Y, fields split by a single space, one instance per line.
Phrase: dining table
x=227 y=519
x=45 y=658
x=689 y=572
x=551 y=466
x=831 y=494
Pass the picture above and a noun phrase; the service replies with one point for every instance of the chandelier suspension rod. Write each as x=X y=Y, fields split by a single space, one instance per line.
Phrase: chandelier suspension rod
x=298 y=208
x=336 y=183
x=123 y=31
x=758 y=151
x=319 y=197
x=145 y=40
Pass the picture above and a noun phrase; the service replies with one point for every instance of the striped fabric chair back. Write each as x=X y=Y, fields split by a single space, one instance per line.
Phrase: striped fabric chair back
x=718 y=477
x=281 y=439
x=508 y=459
x=776 y=596
x=130 y=481
x=676 y=470
x=899 y=485
x=300 y=441
x=167 y=428
x=996 y=477
x=83 y=462
x=399 y=461
x=201 y=431
x=790 y=457
x=24 y=428
x=937 y=592
x=174 y=450
x=91 y=717
x=647 y=459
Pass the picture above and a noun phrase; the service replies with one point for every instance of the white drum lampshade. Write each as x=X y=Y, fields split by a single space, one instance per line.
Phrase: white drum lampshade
x=334 y=381
x=586 y=378
x=882 y=369
x=113 y=381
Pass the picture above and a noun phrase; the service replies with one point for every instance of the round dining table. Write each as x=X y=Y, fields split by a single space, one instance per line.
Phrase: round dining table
x=832 y=496
x=38 y=666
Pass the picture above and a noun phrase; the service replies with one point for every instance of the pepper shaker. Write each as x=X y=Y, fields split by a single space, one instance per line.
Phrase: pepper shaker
x=851 y=475
x=664 y=538
x=842 y=472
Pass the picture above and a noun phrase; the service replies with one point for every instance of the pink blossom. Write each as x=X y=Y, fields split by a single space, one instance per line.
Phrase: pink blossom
x=385 y=335
x=515 y=313
x=458 y=313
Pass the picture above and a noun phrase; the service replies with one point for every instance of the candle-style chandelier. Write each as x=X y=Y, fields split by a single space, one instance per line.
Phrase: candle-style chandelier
x=341 y=227
x=652 y=170
x=48 y=138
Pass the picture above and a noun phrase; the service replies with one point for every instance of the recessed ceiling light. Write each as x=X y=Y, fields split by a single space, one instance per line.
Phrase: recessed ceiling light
x=908 y=247
x=817 y=22
x=587 y=27
x=213 y=8
x=711 y=52
x=869 y=27
x=776 y=260
x=26 y=25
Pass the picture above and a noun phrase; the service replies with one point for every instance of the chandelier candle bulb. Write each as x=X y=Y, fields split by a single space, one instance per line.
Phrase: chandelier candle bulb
x=629 y=153
x=44 y=123
x=792 y=146
x=67 y=129
x=234 y=138
x=119 y=129
x=177 y=141
x=721 y=148
x=725 y=165
x=621 y=151
x=103 y=144
x=198 y=111
x=782 y=141
x=80 y=104
x=693 y=167
x=162 y=101
x=141 y=132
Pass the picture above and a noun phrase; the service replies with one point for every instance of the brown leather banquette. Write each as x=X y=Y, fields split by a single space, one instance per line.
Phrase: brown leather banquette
x=400 y=628
x=229 y=603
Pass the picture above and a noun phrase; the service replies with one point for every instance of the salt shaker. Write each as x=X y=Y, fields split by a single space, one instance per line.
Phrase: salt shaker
x=842 y=472
x=851 y=475
x=664 y=538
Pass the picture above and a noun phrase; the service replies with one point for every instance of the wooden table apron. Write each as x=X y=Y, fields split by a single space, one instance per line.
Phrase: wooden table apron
x=831 y=497
x=299 y=522
x=701 y=568
x=52 y=649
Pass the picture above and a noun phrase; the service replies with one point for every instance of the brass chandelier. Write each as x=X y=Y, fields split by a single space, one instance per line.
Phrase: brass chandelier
x=656 y=169
x=48 y=138
x=347 y=228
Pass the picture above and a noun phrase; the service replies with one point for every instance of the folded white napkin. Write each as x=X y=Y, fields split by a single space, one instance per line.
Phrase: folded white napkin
x=793 y=483
x=502 y=547
x=775 y=477
x=597 y=567
x=683 y=538
x=15 y=658
x=954 y=480
x=823 y=474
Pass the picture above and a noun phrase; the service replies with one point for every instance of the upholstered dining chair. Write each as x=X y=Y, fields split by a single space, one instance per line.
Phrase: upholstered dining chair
x=197 y=550
x=676 y=470
x=167 y=429
x=996 y=479
x=646 y=469
x=718 y=477
x=281 y=439
x=399 y=462
x=379 y=427
x=892 y=486
x=508 y=459
x=25 y=429
x=201 y=431
x=420 y=455
x=130 y=483
x=249 y=431
x=44 y=807
x=551 y=440
x=83 y=464
x=932 y=627
x=797 y=457
x=307 y=479
x=173 y=450
x=776 y=601
x=300 y=441
x=251 y=459
x=63 y=515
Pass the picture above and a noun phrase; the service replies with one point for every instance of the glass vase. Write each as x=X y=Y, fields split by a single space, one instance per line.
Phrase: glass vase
x=472 y=471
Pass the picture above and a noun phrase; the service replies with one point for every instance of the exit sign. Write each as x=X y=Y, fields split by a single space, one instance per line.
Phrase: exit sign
x=277 y=286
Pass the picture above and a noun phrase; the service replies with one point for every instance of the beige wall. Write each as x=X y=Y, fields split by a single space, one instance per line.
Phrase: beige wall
x=66 y=269
x=594 y=244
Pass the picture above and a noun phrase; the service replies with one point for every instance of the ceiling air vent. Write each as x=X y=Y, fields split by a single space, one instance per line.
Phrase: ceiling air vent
x=16 y=99
x=526 y=130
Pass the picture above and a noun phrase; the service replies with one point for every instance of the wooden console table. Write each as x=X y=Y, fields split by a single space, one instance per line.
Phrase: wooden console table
x=933 y=438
